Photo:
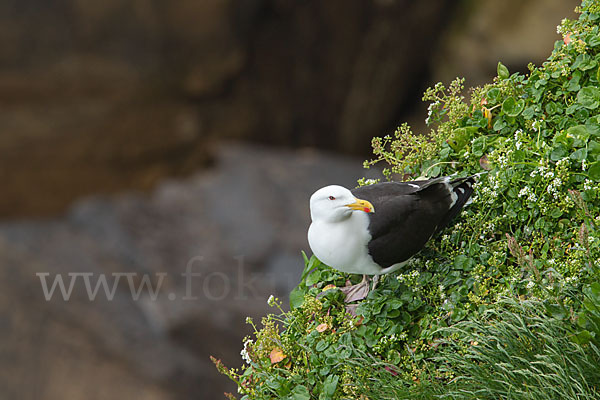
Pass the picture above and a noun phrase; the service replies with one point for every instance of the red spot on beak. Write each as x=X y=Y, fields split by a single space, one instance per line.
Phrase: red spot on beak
x=367 y=210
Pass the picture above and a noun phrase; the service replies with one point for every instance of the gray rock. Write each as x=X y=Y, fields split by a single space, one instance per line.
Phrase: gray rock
x=240 y=227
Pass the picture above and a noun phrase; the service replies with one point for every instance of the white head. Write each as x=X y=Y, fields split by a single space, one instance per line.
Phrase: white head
x=335 y=203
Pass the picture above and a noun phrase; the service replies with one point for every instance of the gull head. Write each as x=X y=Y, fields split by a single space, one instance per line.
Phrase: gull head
x=335 y=203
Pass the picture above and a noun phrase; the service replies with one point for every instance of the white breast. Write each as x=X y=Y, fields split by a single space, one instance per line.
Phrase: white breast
x=343 y=245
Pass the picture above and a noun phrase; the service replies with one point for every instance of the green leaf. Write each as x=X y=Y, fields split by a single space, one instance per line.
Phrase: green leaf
x=594 y=171
x=589 y=97
x=435 y=171
x=513 y=107
x=580 y=135
x=313 y=278
x=502 y=71
x=555 y=212
x=393 y=313
x=445 y=153
x=594 y=148
x=478 y=147
x=582 y=337
x=593 y=128
x=540 y=223
x=296 y=297
x=458 y=314
x=463 y=262
x=309 y=265
x=572 y=108
x=461 y=136
x=329 y=387
x=584 y=62
x=414 y=304
x=305 y=258
x=593 y=39
x=558 y=151
x=321 y=345
x=552 y=108
x=300 y=392
x=556 y=310
x=579 y=155
x=492 y=95
x=529 y=112
x=499 y=124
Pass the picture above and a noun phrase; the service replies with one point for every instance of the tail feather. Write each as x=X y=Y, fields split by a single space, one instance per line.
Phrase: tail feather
x=463 y=189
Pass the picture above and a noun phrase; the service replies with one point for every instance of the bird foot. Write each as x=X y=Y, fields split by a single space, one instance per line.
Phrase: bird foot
x=356 y=292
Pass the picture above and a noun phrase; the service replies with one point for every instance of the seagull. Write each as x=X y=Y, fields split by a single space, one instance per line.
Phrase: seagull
x=376 y=229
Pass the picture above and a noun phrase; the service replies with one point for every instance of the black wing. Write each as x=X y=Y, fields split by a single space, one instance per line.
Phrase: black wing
x=408 y=214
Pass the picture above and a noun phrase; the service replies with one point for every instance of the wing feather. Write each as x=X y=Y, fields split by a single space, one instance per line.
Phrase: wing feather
x=407 y=215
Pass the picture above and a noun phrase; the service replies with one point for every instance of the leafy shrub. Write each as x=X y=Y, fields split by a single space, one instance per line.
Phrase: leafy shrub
x=515 y=351
x=512 y=351
x=530 y=234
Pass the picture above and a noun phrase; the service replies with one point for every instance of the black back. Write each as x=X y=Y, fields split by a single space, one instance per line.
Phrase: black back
x=408 y=214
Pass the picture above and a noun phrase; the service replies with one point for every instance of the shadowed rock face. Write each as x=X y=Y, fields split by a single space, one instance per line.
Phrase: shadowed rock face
x=101 y=96
x=240 y=227
x=98 y=96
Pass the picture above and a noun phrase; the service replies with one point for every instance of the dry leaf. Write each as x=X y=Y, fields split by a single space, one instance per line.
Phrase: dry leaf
x=485 y=163
x=322 y=327
x=488 y=114
x=276 y=355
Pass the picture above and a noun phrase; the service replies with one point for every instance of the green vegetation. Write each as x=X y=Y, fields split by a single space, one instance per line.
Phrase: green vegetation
x=503 y=304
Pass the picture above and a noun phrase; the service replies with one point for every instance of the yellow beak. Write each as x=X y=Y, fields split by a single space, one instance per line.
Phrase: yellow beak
x=362 y=205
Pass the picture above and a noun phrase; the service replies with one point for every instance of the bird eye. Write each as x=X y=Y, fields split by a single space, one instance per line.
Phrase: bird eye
x=331 y=198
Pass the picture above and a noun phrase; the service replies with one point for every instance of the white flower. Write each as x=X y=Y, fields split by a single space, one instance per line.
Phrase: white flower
x=554 y=186
x=518 y=136
x=528 y=192
x=430 y=112
x=563 y=162
x=245 y=356
x=572 y=279
x=244 y=352
x=502 y=160
x=530 y=284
